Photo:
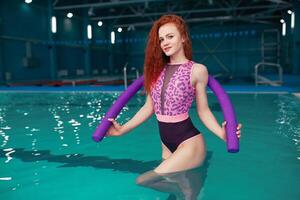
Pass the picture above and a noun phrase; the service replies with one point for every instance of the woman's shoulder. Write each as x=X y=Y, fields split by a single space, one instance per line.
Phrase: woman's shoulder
x=199 y=70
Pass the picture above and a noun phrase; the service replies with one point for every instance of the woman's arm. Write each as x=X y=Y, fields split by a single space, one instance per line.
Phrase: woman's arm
x=199 y=80
x=142 y=115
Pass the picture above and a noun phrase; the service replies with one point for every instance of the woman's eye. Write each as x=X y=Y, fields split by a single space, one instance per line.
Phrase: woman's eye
x=170 y=36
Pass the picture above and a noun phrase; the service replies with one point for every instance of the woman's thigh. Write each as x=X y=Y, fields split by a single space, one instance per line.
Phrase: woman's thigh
x=166 y=153
x=189 y=154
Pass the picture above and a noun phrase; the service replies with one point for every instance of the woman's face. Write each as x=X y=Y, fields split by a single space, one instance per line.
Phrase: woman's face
x=170 y=39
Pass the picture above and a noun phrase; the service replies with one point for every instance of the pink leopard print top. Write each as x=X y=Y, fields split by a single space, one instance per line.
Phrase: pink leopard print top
x=173 y=92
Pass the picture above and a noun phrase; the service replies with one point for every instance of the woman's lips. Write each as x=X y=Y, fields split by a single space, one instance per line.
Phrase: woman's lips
x=167 y=49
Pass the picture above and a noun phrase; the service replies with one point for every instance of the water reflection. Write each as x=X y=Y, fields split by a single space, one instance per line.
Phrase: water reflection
x=287 y=119
x=9 y=151
x=81 y=160
x=180 y=185
x=3 y=127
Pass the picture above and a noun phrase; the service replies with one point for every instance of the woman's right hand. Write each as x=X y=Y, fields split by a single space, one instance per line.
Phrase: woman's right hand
x=115 y=129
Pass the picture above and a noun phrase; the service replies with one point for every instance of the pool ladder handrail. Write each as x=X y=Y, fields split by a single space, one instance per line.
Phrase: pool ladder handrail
x=125 y=74
x=264 y=79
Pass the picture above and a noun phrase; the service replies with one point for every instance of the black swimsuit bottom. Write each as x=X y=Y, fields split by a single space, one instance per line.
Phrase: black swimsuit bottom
x=173 y=134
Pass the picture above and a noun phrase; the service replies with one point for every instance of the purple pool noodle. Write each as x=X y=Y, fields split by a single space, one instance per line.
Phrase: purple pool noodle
x=224 y=101
x=228 y=113
x=116 y=108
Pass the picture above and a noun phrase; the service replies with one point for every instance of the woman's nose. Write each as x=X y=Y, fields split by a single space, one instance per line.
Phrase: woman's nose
x=165 y=43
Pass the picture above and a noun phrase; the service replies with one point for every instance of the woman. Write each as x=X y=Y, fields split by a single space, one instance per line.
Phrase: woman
x=172 y=81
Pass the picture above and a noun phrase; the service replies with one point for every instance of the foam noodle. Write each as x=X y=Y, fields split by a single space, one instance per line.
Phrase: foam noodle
x=224 y=101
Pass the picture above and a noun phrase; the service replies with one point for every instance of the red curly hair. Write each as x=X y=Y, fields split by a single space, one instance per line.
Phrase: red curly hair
x=155 y=59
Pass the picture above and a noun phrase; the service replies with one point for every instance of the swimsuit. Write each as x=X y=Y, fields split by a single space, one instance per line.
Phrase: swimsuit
x=172 y=97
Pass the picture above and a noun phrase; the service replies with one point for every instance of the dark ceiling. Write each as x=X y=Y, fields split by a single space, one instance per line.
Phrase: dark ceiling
x=125 y=13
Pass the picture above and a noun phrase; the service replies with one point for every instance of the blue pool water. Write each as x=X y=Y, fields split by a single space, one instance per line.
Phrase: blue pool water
x=46 y=150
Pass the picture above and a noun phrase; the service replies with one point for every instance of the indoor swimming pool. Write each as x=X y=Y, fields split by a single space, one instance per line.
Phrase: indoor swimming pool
x=47 y=151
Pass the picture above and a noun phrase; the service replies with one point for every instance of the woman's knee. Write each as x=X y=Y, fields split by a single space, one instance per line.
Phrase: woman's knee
x=140 y=181
x=146 y=178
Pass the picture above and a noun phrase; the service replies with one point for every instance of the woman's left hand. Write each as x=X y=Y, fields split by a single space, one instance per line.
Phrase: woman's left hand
x=238 y=130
